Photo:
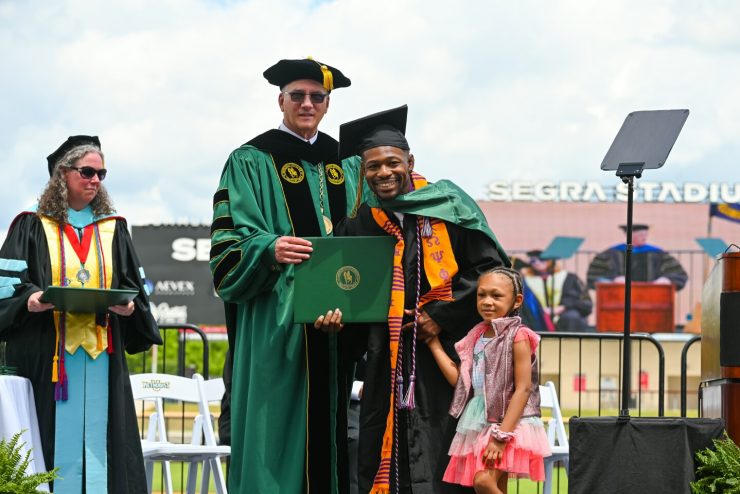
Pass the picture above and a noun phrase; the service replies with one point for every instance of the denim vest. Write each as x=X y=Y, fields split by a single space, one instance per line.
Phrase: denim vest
x=499 y=371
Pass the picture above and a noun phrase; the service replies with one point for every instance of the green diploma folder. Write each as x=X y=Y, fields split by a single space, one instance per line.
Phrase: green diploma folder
x=86 y=300
x=352 y=274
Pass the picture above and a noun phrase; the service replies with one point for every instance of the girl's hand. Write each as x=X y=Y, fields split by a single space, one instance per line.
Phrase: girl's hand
x=434 y=342
x=426 y=328
x=35 y=304
x=123 y=310
x=493 y=453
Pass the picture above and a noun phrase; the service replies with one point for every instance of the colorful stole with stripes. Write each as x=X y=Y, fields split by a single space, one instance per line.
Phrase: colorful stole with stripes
x=89 y=331
x=440 y=267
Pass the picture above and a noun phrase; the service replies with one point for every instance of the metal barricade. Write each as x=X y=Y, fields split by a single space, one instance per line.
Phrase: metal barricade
x=639 y=339
x=684 y=368
x=155 y=360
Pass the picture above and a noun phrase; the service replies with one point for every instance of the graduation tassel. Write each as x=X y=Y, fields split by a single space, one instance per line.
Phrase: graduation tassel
x=426 y=228
x=99 y=335
x=55 y=370
x=409 y=402
x=328 y=77
x=399 y=392
x=56 y=375
x=61 y=393
x=100 y=321
x=55 y=360
x=64 y=383
x=60 y=389
x=110 y=338
x=63 y=377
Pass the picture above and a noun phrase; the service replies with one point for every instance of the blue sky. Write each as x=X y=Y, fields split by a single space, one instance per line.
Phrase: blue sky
x=497 y=90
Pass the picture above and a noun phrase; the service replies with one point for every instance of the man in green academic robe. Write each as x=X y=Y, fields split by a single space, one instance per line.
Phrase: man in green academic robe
x=287 y=393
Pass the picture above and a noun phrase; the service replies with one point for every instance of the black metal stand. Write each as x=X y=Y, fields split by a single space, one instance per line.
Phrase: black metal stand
x=607 y=454
x=628 y=172
x=552 y=290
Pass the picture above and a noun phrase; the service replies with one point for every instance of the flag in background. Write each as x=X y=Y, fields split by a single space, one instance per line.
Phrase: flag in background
x=726 y=211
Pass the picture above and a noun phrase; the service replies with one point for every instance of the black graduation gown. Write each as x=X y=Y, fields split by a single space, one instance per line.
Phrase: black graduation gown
x=426 y=432
x=31 y=341
x=576 y=300
x=648 y=264
x=575 y=295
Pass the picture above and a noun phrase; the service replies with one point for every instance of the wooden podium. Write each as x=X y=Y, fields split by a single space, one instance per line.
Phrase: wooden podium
x=652 y=307
x=720 y=344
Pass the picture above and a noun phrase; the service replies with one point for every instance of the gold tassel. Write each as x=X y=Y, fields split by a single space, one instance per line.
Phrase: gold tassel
x=99 y=332
x=55 y=363
x=326 y=73
x=328 y=78
x=55 y=369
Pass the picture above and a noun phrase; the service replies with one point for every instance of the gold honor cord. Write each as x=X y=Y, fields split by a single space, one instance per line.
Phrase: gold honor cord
x=328 y=227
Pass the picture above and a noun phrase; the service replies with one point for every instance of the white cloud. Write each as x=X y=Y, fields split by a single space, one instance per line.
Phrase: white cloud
x=496 y=90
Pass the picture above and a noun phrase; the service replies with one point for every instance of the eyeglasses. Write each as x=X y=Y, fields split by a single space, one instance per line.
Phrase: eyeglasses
x=300 y=96
x=88 y=172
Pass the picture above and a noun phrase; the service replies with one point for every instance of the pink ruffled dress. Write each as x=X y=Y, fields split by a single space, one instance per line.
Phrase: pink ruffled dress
x=523 y=454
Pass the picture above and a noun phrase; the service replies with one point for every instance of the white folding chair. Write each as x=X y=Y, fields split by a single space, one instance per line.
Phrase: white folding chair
x=202 y=448
x=556 y=435
x=211 y=390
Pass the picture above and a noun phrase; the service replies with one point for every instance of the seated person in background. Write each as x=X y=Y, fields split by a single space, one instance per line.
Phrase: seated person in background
x=563 y=295
x=649 y=263
x=531 y=312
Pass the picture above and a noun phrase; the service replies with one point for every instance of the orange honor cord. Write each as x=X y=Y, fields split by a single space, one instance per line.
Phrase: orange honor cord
x=440 y=267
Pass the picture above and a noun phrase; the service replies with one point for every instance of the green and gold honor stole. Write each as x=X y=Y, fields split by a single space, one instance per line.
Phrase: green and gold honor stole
x=79 y=262
x=440 y=267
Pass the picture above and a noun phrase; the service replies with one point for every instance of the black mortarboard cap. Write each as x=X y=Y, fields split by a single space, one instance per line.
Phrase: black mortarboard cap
x=385 y=128
x=286 y=71
x=636 y=227
x=519 y=264
x=71 y=142
x=534 y=253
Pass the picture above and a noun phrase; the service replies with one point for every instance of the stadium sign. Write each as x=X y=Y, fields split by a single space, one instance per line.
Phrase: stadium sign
x=175 y=260
x=567 y=191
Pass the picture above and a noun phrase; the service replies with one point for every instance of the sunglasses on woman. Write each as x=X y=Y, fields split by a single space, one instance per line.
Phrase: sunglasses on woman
x=88 y=172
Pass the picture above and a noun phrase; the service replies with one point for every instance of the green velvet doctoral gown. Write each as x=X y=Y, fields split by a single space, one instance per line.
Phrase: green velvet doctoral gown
x=289 y=383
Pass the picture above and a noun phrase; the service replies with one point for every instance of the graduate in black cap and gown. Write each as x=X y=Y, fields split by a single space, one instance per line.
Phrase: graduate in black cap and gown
x=286 y=391
x=649 y=263
x=76 y=361
x=443 y=245
x=561 y=294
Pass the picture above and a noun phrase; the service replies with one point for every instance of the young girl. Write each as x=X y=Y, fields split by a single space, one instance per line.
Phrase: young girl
x=497 y=400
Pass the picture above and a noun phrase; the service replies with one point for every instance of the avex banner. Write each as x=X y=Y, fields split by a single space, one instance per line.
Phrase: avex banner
x=175 y=262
